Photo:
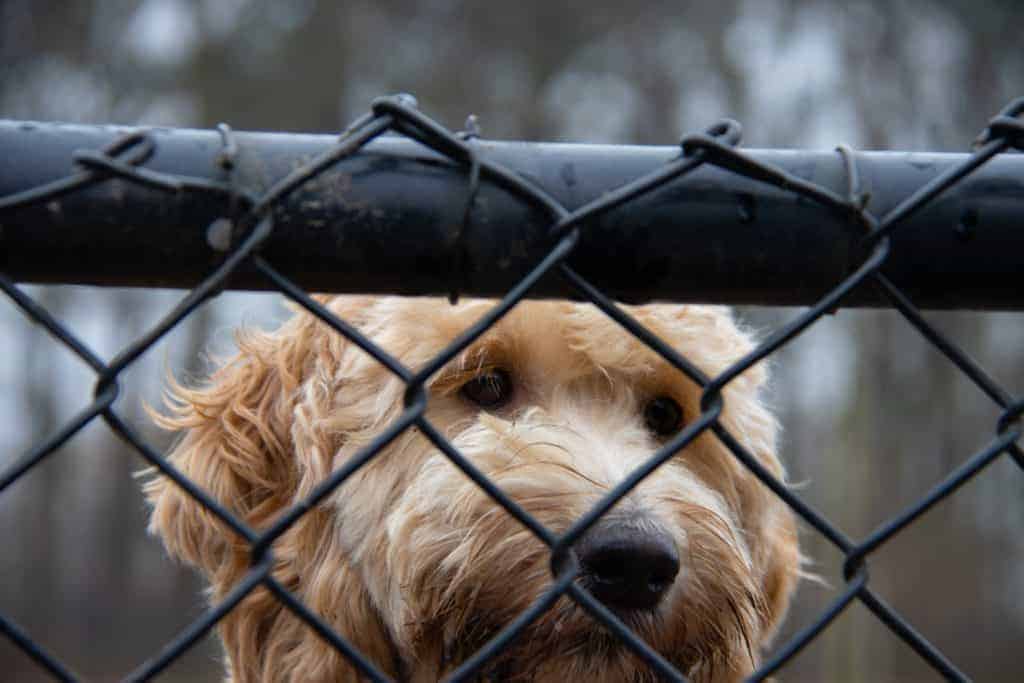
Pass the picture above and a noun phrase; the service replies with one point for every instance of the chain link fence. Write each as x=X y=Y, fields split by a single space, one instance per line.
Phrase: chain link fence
x=250 y=222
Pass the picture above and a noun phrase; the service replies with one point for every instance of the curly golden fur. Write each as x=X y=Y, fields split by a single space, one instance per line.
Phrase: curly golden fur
x=416 y=566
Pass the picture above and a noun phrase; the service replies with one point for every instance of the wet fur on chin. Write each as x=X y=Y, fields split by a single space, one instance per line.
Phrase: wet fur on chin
x=416 y=566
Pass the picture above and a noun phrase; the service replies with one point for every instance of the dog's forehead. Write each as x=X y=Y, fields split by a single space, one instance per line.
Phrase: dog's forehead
x=575 y=338
x=565 y=337
x=554 y=324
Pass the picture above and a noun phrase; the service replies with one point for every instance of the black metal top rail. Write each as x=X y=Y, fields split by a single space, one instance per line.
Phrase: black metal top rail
x=393 y=217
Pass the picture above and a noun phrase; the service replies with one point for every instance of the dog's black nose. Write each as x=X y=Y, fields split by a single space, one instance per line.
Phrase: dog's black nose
x=626 y=567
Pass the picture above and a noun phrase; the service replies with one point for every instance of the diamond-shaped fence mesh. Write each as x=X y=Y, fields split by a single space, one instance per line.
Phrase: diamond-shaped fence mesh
x=250 y=218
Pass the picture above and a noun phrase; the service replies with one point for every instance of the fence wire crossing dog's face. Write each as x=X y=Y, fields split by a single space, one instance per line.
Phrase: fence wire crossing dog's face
x=415 y=565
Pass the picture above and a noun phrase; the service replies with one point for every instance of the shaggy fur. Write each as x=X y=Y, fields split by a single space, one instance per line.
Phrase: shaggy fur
x=415 y=565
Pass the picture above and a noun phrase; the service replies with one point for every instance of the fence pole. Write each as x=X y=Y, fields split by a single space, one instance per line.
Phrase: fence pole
x=390 y=219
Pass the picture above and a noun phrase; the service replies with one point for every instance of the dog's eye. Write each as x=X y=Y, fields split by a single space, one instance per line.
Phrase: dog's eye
x=492 y=389
x=663 y=416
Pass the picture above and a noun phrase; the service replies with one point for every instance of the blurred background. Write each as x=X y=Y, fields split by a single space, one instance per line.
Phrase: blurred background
x=873 y=415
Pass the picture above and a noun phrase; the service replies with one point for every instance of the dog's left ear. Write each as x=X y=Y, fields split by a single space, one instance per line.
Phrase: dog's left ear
x=777 y=556
x=781 y=570
x=777 y=553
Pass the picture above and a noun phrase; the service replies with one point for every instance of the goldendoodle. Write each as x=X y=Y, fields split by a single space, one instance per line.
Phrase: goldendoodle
x=414 y=564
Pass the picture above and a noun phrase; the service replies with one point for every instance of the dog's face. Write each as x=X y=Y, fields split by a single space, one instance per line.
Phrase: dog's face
x=416 y=565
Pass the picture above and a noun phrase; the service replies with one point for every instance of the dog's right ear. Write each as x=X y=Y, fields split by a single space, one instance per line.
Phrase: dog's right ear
x=257 y=437
x=244 y=441
x=233 y=446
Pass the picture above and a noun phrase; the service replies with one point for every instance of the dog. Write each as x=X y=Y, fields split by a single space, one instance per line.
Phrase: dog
x=414 y=564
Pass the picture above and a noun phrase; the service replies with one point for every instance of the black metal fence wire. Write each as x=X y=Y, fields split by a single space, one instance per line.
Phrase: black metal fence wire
x=253 y=222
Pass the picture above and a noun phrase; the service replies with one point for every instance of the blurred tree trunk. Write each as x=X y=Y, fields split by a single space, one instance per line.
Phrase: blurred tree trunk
x=183 y=580
x=117 y=511
x=41 y=582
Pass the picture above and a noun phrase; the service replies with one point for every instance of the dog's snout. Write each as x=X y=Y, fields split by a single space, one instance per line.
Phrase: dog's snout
x=628 y=568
